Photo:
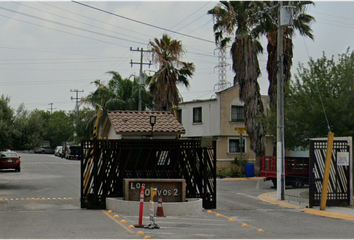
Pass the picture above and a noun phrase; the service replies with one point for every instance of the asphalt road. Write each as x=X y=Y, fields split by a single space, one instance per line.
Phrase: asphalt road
x=43 y=201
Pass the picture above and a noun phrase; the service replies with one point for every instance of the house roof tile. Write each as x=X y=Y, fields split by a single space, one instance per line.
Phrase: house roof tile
x=139 y=122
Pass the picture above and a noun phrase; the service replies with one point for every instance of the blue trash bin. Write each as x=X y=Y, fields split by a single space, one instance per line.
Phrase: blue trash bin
x=249 y=170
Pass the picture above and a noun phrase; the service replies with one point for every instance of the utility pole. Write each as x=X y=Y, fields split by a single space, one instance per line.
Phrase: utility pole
x=77 y=101
x=51 y=108
x=284 y=19
x=141 y=77
x=280 y=112
x=76 y=109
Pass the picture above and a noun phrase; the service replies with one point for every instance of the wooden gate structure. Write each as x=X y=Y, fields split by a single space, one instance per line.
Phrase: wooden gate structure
x=340 y=181
x=105 y=163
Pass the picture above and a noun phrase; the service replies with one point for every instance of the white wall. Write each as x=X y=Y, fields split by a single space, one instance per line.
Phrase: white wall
x=210 y=125
x=112 y=134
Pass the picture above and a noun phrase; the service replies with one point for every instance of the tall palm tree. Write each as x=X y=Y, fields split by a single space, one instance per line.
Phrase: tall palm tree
x=118 y=94
x=240 y=16
x=269 y=28
x=167 y=53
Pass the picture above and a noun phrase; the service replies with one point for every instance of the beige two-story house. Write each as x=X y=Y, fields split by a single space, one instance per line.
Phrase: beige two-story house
x=218 y=118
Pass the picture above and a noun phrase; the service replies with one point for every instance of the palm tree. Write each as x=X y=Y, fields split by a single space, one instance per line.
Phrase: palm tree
x=118 y=94
x=269 y=28
x=167 y=53
x=240 y=15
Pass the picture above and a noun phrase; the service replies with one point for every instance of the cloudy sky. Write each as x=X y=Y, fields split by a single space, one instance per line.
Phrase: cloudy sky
x=49 y=49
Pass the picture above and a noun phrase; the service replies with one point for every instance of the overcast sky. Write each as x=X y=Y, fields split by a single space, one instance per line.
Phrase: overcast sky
x=49 y=48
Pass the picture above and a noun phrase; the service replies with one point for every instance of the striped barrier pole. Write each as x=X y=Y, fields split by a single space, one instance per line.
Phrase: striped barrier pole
x=141 y=210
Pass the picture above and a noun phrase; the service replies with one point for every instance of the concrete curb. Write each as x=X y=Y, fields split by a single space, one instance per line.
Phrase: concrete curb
x=120 y=206
x=265 y=198
x=242 y=179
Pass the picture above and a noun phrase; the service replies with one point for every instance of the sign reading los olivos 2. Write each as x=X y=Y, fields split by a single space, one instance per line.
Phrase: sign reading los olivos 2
x=171 y=190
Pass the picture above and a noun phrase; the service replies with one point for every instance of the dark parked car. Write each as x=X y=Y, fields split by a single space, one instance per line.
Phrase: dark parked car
x=44 y=150
x=10 y=160
x=72 y=152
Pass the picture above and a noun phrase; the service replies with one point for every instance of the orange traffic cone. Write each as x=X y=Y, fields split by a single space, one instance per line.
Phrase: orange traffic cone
x=159 y=211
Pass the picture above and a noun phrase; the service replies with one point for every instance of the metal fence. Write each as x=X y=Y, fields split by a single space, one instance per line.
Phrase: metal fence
x=105 y=163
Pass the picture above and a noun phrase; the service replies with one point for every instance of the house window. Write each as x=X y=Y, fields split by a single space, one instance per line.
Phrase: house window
x=235 y=146
x=179 y=115
x=197 y=115
x=237 y=114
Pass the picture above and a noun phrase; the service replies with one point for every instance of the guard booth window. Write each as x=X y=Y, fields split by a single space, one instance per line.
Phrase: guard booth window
x=197 y=115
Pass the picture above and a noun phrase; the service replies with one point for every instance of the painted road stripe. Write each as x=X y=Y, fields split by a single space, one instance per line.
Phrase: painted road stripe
x=234 y=220
x=117 y=221
x=34 y=199
x=265 y=197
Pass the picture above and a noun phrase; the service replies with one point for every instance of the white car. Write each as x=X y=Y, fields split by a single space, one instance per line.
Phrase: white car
x=58 y=151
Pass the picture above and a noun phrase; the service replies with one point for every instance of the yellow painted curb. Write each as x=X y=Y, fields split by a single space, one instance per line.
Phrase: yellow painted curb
x=265 y=197
x=328 y=214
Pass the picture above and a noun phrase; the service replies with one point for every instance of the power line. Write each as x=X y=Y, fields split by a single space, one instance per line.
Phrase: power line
x=62 y=31
x=76 y=21
x=67 y=11
x=146 y=24
x=70 y=26
x=190 y=16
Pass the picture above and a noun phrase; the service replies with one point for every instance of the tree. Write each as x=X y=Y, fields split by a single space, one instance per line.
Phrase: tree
x=118 y=94
x=240 y=15
x=6 y=120
x=167 y=53
x=60 y=128
x=269 y=28
x=327 y=82
x=28 y=129
x=85 y=125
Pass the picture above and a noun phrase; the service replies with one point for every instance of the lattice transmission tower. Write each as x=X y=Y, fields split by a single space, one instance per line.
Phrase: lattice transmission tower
x=222 y=83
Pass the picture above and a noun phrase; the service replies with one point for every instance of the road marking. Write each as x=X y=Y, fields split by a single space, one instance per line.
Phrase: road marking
x=122 y=225
x=33 y=199
x=234 y=220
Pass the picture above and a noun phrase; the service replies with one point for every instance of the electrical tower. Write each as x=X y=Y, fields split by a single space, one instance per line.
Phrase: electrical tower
x=222 y=83
x=141 y=77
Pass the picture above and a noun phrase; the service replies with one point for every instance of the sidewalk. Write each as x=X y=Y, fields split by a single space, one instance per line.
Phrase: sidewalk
x=346 y=213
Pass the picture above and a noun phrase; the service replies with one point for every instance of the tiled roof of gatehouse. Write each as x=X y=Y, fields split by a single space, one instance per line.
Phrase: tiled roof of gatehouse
x=139 y=122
